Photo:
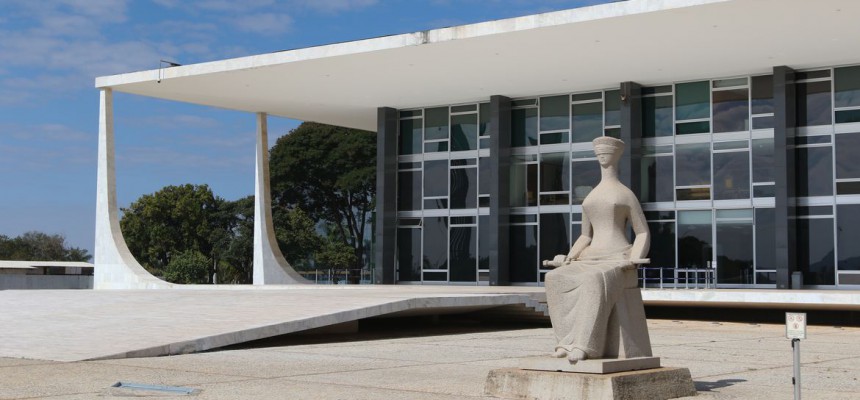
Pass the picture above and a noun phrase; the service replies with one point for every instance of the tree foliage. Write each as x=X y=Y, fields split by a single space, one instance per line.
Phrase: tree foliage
x=188 y=266
x=39 y=246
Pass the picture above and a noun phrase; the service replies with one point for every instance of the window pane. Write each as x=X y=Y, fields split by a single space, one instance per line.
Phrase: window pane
x=662 y=253
x=409 y=254
x=435 y=178
x=735 y=252
x=484 y=242
x=435 y=243
x=587 y=122
x=409 y=190
x=731 y=175
x=464 y=188
x=762 y=160
x=765 y=241
x=847 y=148
x=847 y=232
x=658 y=181
x=464 y=254
x=814 y=171
x=731 y=110
x=464 y=132
x=554 y=172
x=813 y=103
x=523 y=253
x=524 y=127
x=692 y=100
x=484 y=175
x=612 y=108
x=554 y=235
x=687 y=128
x=410 y=136
x=815 y=251
x=523 y=185
x=586 y=175
x=693 y=164
x=554 y=114
x=846 y=82
x=762 y=94
x=436 y=126
x=484 y=119
x=695 y=245
x=657 y=116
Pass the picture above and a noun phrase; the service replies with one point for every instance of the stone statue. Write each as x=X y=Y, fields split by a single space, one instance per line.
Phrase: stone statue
x=594 y=303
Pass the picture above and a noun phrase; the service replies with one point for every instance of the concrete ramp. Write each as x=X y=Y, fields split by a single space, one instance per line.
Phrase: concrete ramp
x=73 y=325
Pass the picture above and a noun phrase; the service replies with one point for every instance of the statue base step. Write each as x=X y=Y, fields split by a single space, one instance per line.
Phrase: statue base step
x=655 y=383
x=599 y=366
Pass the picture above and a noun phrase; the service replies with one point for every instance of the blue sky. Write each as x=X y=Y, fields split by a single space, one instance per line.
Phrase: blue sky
x=52 y=50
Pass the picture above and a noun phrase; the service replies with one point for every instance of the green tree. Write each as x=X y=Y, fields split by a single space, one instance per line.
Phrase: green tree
x=188 y=266
x=330 y=173
x=39 y=246
x=297 y=237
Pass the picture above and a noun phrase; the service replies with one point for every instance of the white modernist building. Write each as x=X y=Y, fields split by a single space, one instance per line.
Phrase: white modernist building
x=742 y=118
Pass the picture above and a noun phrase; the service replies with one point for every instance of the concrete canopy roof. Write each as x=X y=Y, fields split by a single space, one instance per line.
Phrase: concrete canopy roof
x=649 y=42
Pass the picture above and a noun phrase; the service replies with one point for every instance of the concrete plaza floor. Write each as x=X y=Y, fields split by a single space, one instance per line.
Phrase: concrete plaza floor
x=447 y=360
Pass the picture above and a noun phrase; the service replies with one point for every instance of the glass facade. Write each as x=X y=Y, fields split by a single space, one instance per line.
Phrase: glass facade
x=705 y=171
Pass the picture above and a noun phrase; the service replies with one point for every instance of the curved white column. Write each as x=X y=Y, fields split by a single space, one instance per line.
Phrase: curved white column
x=270 y=266
x=115 y=266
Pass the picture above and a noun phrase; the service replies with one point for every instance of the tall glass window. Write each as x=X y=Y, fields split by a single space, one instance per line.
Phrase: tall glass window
x=587 y=117
x=409 y=253
x=436 y=129
x=524 y=129
x=464 y=184
x=411 y=128
x=657 y=112
x=662 y=227
x=693 y=171
x=554 y=235
x=524 y=180
x=695 y=242
x=846 y=88
x=815 y=245
x=554 y=119
x=814 y=106
x=847 y=232
x=814 y=168
x=554 y=179
x=692 y=108
x=731 y=105
x=765 y=246
x=847 y=168
x=762 y=102
x=612 y=113
x=435 y=256
x=435 y=184
x=658 y=174
x=585 y=174
x=762 y=167
x=409 y=189
x=523 y=250
x=464 y=132
x=735 y=246
x=731 y=170
x=463 y=247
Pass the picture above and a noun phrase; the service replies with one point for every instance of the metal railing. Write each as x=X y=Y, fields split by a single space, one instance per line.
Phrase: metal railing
x=335 y=276
x=677 y=278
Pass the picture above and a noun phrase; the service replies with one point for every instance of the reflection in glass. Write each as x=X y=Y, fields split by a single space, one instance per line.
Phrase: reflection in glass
x=554 y=138
x=693 y=164
x=523 y=253
x=657 y=116
x=687 y=128
x=847 y=149
x=464 y=132
x=765 y=239
x=815 y=251
x=847 y=232
x=587 y=122
x=435 y=178
x=554 y=114
x=523 y=187
x=658 y=182
x=762 y=160
x=735 y=252
x=409 y=254
x=435 y=243
x=554 y=172
x=612 y=108
x=586 y=175
x=524 y=127
x=408 y=190
x=484 y=242
x=464 y=188
x=436 y=124
x=464 y=253
x=662 y=253
x=695 y=245
x=846 y=87
x=814 y=171
x=731 y=175
x=813 y=103
x=731 y=110
x=692 y=100
x=410 y=136
x=554 y=235
x=762 y=94
x=484 y=175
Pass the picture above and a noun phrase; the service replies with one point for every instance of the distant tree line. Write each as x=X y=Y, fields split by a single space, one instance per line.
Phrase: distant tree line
x=38 y=246
x=323 y=184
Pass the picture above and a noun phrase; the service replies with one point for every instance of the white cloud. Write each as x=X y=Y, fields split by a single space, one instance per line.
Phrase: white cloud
x=264 y=24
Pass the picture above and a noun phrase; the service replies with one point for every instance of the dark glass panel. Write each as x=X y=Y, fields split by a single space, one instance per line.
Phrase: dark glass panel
x=523 y=187
x=662 y=253
x=484 y=242
x=484 y=175
x=462 y=220
x=657 y=116
x=847 y=116
x=409 y=165
x=612 y=108
x=410 y=136
x=554 y=235
x=762 y=122
x=523 y=102
x=587 y=122
x=813 y=103
x=815 y=251
x=735 y=252
x=693 y=194
x=846 y=86
x=463 y=244
x=731 y=175
x=463 y=161
x=409 y=221
x=435 y=276
x=523 y=253
x=847 y=232
x=659 y=215
x=688 y=128
x=765 y=278
x=554 y=114
x=762 y=160
x=657 y=89
x=554 y=138
x=585 y=176
x=435 y=178
x=484 y=143
x=434 y=147
x=693 y=164
x=731 y=110
x=847 y=148
x=849 y=279
x=435 y=243
x=484 y=119
x=524 y=127
x=410 y=113
x=695 y=244
x=813 y=211
x=464 y=188
x=531 y=187
x=613 y=132
x=819 y=139
x=814 y=171
x=554 y=172
x=409 y=254
x=408 y=190
x=435 y=204
x=692 y=100
x=736 y=144
x=823 y=73
x=762 y=94
x=658 y=182
x=847 y=187
x=731 y=82
x=554 y=199
x=436 y=125
x=523 y=218
x=587 y=96
x=484 y=201
x=764 y=191
x=464 y=108
x=464 y=132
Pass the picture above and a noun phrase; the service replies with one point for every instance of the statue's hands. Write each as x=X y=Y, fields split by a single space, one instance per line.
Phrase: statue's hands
x=556 y=262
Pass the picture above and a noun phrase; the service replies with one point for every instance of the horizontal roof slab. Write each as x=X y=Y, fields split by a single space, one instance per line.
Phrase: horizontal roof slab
x=650 y=42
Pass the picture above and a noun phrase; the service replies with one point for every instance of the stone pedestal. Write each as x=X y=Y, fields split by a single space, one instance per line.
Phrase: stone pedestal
x=602 y=366
x=656 y=383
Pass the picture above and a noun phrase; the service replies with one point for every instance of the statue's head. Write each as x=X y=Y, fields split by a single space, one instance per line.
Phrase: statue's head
x=608 y=150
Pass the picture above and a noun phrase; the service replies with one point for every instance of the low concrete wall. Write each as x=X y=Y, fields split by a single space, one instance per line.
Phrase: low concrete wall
x=17 y=282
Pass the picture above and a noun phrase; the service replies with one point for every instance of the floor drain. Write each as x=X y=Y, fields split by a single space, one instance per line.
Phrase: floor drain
x=155 y=388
